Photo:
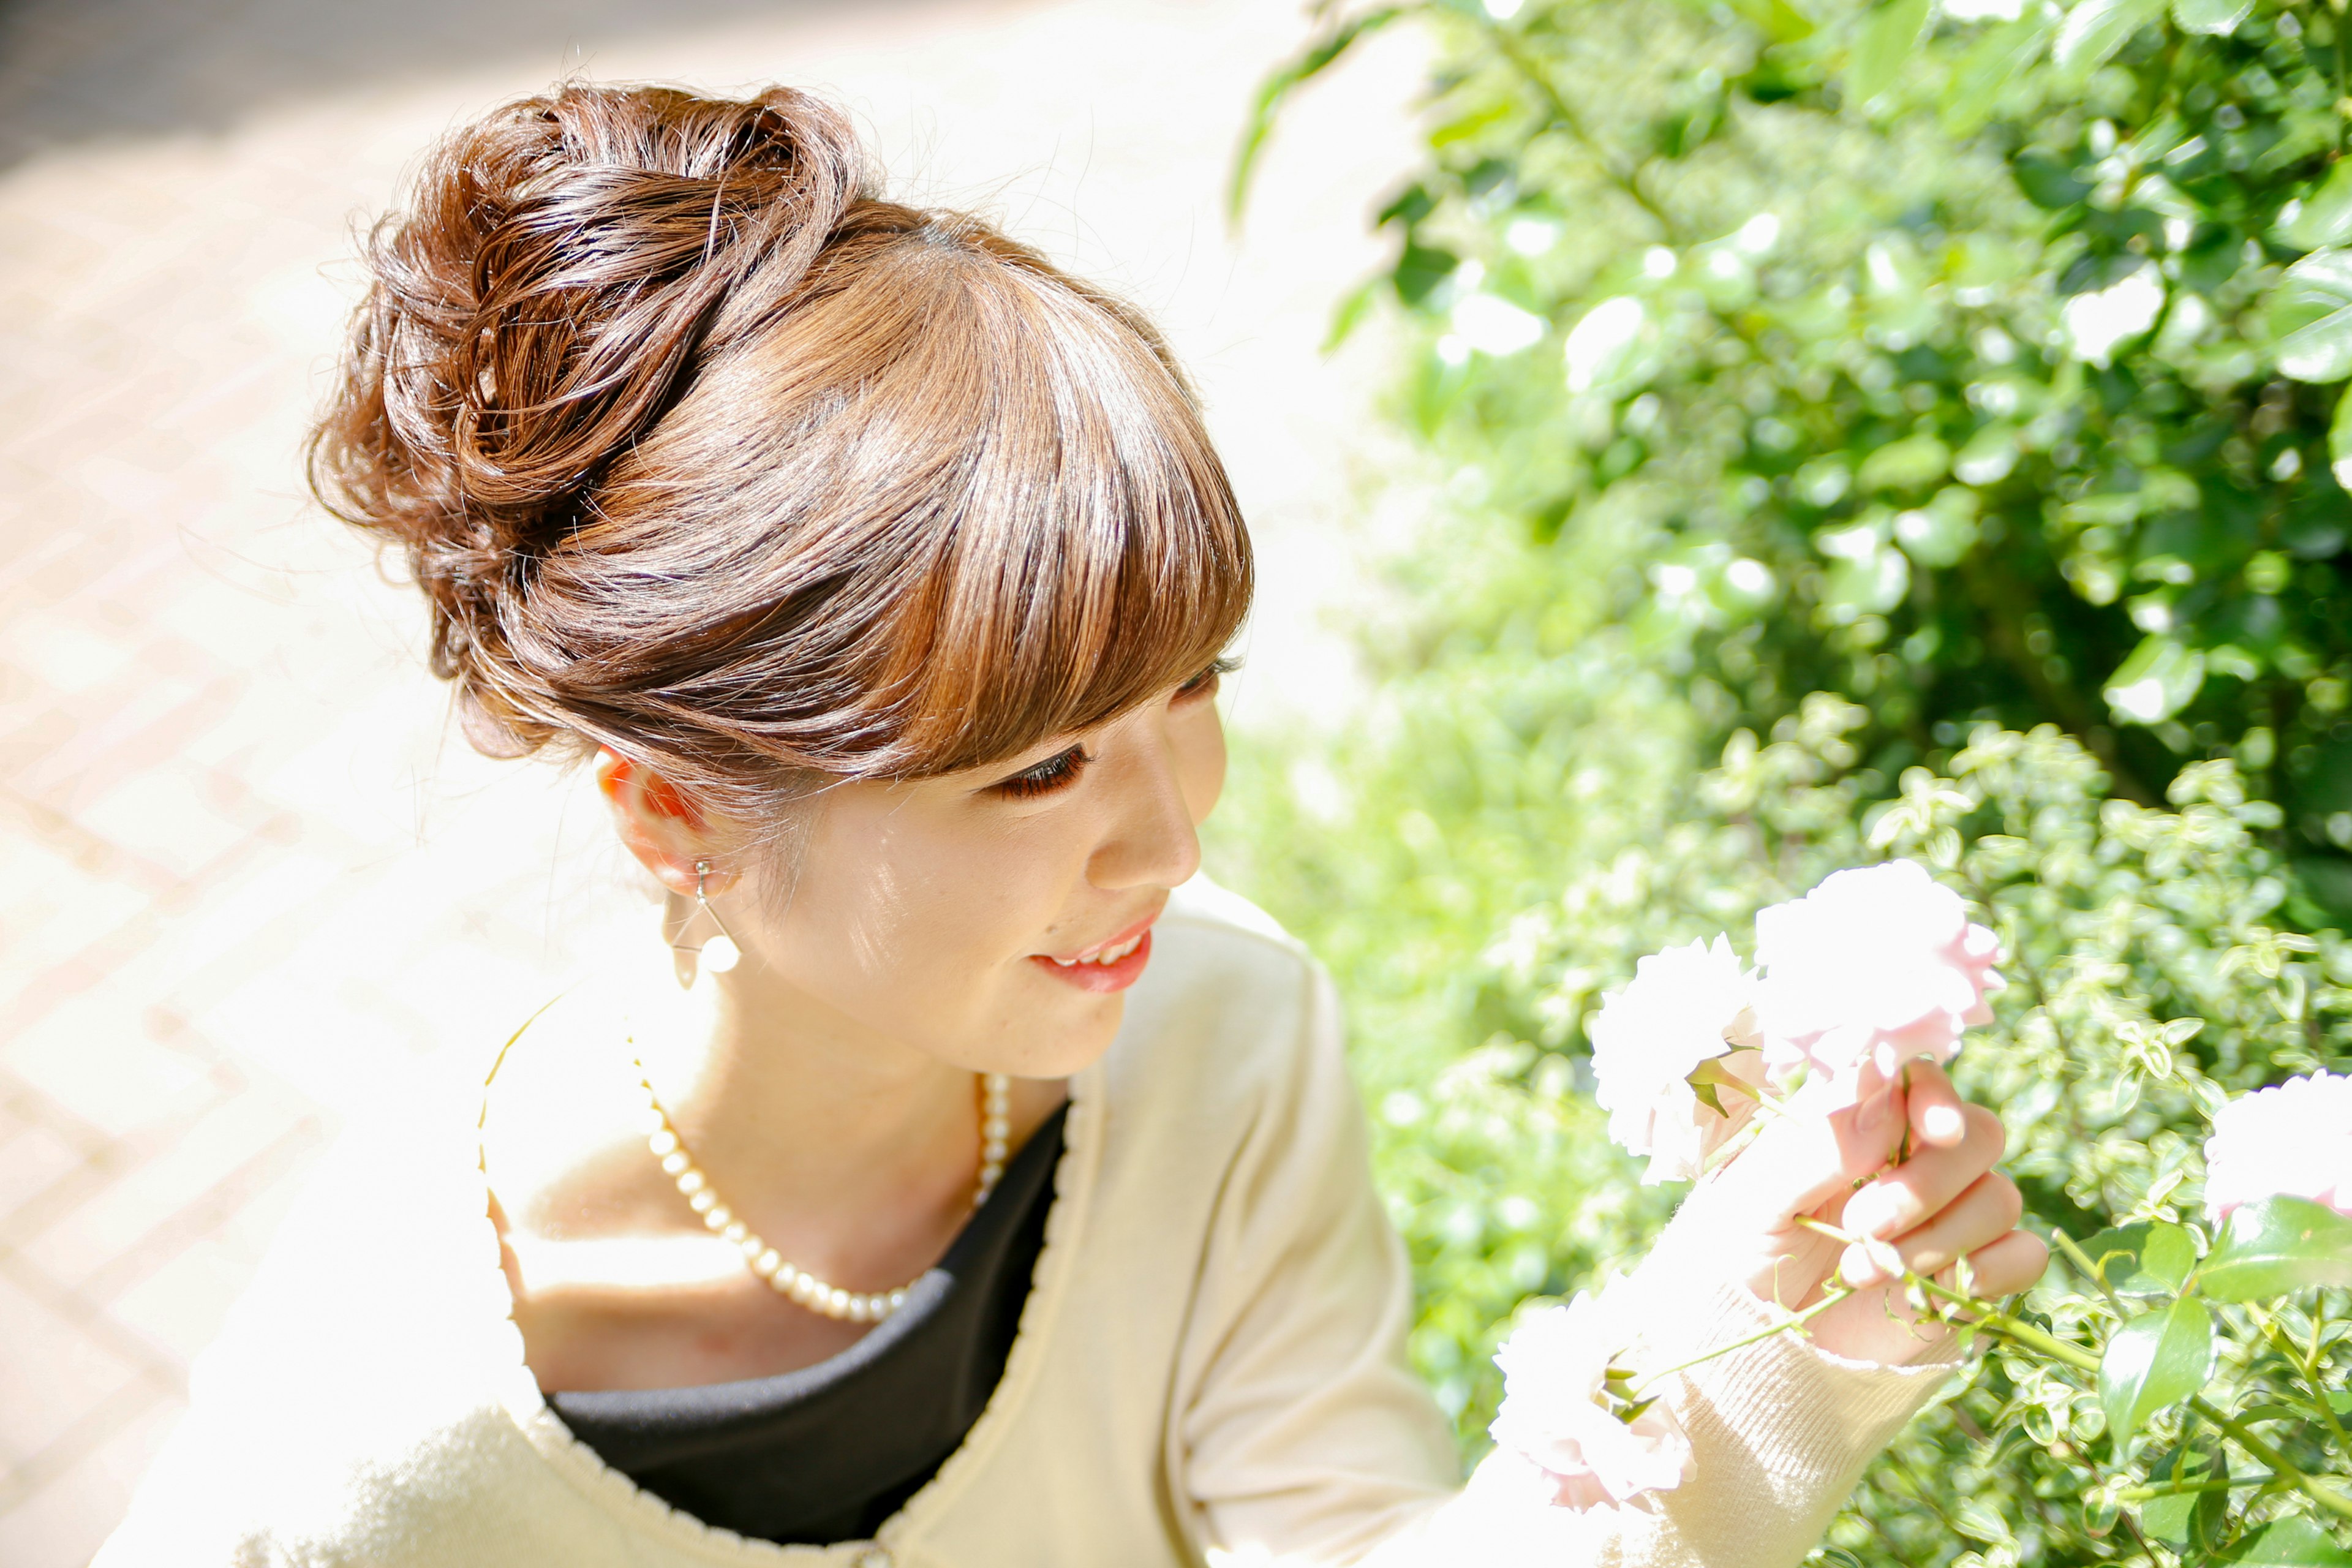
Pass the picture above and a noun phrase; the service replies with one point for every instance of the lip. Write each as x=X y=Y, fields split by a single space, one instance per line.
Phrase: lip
x=1103 y=977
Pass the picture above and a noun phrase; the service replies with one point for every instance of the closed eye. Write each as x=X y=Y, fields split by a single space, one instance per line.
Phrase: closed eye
x=1205 y=682
x=1057 y=772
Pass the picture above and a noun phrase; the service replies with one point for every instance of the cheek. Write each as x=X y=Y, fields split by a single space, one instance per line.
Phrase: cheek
x=1199 y=743
x=916 y=913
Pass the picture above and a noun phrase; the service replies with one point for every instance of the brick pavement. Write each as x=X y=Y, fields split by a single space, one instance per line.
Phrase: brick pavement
x=246 y=869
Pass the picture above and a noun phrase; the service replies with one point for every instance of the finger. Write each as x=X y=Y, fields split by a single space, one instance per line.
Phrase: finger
x=1981 y=1215
x=1936 y=1115
x=1801 y=1163
x=2012 y=1263
x=1907 y=1195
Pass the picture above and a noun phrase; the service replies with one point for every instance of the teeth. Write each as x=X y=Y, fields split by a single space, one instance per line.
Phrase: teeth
x=1107 y=956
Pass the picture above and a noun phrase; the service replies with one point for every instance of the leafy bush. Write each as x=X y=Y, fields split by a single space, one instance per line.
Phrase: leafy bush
x=1972 y=369
x=1867 y=431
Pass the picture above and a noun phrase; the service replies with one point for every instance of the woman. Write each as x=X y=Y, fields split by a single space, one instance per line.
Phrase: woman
x=956 y=1178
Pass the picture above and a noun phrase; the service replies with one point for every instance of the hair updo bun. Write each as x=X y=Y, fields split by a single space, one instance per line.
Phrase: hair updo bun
x=701 y=450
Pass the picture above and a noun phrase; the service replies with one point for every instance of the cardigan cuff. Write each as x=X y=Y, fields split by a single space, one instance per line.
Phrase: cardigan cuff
x=1781 y=1429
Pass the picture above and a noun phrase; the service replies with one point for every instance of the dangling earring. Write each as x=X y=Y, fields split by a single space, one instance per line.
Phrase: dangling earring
x=720 y=954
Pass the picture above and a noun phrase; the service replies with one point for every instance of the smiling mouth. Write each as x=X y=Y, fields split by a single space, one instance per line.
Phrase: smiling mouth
x=1106 y=956
x=1112 y=965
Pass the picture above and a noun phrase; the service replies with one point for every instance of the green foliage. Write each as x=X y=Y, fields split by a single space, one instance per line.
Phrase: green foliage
x=1871 y=432
x=1970 y=370
x=2156 y=1360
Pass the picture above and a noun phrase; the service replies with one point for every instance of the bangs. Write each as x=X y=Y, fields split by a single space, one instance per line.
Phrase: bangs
x=992 y=515
x=1097 y=557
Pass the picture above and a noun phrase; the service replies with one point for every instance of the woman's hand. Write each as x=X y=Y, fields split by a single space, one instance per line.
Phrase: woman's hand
x=1943 y=1202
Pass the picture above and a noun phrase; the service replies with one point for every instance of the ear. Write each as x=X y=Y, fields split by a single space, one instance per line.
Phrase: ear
x=661 y=827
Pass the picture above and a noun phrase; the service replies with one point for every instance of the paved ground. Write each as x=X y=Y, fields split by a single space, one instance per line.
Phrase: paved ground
x=245 y=871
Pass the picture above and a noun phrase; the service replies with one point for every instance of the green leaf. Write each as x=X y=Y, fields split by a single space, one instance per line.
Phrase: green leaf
x=1911 y=464
x=2160 y=678
x=2277 y=1247
x=2095 y=29
x=1421 y=268
x=2170 y=1255
x=2325 y=217
x=2116 y=1253
x=2215 y=18
x=1977 y=87
x=1349 y=313
x=2310 y=318
x=1777 y=19
x=2183 y=1517
x=2155 y=1361
x=2339 y=441
x=1317 y=58
x=1712 y=1077
x=1884 y=49
x=1980 y=1520
x=2290 y=1544
x=2047 y=182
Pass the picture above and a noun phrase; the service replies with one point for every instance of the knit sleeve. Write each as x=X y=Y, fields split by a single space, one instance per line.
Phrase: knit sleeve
x=1306 y=1439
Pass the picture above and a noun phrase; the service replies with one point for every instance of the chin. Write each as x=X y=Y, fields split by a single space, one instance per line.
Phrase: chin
x=1076 y=1044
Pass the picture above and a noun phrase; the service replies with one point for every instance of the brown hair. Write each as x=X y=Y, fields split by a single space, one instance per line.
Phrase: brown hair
x=701 y=450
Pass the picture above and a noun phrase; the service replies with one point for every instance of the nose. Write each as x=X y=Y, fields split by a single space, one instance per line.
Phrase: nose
x=1152 y=840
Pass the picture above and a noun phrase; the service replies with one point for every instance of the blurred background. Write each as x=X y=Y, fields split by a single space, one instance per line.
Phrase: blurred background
x=247 y=867
x=1692 y=445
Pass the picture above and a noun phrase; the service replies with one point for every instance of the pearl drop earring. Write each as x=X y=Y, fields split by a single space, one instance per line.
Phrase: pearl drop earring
x=720 y=954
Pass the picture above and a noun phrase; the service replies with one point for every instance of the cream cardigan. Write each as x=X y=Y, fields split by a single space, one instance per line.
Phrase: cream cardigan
x=1209 y=1365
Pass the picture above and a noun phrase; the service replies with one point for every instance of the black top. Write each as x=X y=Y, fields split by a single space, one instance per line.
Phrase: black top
x=827 y=1453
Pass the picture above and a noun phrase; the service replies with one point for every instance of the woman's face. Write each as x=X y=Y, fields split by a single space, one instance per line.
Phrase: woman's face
x=994 y=919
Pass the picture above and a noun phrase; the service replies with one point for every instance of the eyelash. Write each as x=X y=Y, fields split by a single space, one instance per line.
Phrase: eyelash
x=1207 y=679
x=1061 y=770
x=1057 y=772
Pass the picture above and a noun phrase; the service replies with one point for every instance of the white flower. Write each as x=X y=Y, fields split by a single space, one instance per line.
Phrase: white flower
x=1567 y=1411
x=2294 y=1141
x=1870 y=969
x=1648 y=1039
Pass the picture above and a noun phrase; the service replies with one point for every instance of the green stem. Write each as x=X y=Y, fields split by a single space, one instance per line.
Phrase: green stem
x=1794 y=1320
x=1992 y=1319
x=2327 y=1497
x=2308 y=1367
x=2087 y=1265
x=2182 y=1488
x=1623 y=178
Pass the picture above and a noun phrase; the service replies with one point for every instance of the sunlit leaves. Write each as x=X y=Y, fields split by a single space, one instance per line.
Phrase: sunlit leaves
x=2324 y=217
x=2160 y=679
x=2339 y=441
x=2310 y=318
x=2213 y=17
x=1889 y=37
x=2155 y=1361
x=2277 y=1247
x=2095 y=29
x=2297 y=1543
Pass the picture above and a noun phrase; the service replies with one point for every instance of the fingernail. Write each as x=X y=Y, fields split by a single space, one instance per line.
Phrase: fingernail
x=1866 y=1212
x=1859 y=1213
x=1858 y=1266
x=1943 y=1124
x=1873 y=1114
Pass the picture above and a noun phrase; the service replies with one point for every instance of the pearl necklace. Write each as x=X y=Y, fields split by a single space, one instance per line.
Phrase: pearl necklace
x=788 y=1281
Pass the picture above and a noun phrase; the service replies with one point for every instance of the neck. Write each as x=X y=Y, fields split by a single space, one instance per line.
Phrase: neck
x=794 y=1110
